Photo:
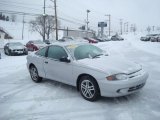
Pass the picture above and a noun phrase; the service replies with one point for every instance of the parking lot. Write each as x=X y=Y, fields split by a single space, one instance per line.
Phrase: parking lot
x=22 y=99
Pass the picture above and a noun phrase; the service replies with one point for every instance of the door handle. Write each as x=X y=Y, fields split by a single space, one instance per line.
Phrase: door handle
x=46 y=62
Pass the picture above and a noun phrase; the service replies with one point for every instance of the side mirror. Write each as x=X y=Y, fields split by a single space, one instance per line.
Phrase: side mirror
x=65 y=59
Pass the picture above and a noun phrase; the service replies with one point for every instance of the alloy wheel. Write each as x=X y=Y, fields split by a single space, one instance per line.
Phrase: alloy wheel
x=88 y=89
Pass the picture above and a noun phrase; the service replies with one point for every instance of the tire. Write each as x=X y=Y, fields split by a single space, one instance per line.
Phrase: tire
x=9 y=53
x=5 y=52
x=26 y=53
x=34 y=74
x=89 y=88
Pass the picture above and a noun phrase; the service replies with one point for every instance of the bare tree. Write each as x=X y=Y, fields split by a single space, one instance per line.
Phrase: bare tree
x=13 y=17
x=37 y=25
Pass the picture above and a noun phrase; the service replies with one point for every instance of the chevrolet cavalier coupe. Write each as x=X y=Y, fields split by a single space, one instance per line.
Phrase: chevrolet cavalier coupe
x=88 y=68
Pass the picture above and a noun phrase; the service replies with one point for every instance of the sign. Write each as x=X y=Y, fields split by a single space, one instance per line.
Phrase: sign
x=102 y=24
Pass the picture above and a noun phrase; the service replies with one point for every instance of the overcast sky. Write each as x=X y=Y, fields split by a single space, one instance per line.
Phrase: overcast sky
x=139 y=12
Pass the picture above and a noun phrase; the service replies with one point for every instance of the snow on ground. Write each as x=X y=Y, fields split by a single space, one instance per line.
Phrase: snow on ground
x=22 y=99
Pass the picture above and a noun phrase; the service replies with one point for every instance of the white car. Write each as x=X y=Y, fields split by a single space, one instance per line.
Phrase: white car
x=87 y=67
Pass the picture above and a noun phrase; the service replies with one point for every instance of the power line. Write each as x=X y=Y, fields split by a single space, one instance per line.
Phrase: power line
x=6 y=4
x=22 y=3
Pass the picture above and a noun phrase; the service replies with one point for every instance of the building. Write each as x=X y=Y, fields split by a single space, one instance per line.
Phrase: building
x=4 y=34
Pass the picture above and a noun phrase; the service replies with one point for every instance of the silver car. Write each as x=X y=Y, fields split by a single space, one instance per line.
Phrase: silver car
x=88 y=68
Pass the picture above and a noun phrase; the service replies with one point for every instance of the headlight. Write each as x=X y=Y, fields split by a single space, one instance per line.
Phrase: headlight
x=120 y=76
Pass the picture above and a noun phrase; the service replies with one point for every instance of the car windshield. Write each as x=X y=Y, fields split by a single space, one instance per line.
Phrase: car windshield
x=15 y=44
x=38 y=42
x=84 y=51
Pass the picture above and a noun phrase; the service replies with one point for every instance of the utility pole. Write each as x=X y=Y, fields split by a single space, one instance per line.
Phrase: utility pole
x=55 y=9
x=56 y=19
x=44 y=19
x=126 y=27
x=153 y=27
x=23 y=27
x=109 y=27
x=121 y=23
x=88 y=11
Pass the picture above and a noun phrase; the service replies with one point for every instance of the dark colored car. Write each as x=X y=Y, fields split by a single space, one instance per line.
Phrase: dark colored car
x=149 y=37
x=158 y=38
x=91 y=40
x=116 y=38
x=49 y=41
x=155 y=38
x=15 y=48
x=35 y=45
x=100 y=39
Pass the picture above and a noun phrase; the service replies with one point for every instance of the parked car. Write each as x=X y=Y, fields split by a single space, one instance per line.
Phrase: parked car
x=15 y=48
x=35 y=45
x=148 y=37
x=91 y=40
x=100 y=39
x=154 y=38
x=158 y=38
x=68 y=38
x=116 y=38
x=88 y=68
x=144 y=39
x=49 y=41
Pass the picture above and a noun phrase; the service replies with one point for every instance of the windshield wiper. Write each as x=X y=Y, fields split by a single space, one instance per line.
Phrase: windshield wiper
x=96 y=56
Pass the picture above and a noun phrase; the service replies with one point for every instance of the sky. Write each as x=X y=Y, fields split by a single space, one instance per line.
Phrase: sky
x=140 y=12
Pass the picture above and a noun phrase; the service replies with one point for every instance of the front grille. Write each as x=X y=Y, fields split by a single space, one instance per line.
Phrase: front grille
x=136 y=87
x=16 y=50
x=134 y=74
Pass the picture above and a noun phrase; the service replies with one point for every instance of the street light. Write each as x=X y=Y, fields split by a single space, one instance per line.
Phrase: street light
x=88 y=11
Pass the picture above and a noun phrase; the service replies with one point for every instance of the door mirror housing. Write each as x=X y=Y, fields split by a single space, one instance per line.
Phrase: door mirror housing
x=65 y=59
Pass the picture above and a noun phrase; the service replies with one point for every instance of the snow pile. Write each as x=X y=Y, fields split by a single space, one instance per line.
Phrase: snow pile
x=150 y=47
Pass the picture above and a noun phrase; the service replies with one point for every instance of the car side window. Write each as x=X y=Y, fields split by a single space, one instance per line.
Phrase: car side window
x=56 y=52
x=42 y=52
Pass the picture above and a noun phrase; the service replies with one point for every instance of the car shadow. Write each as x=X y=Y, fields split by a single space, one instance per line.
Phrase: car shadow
x=109 y=100
x=57 y=84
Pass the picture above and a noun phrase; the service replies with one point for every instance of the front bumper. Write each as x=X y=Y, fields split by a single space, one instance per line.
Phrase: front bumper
x=122 y=87
x=19 y=52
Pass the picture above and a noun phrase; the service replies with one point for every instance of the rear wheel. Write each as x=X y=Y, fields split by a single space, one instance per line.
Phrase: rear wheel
x=10 y=53
x=89 y=88
x=34 y=74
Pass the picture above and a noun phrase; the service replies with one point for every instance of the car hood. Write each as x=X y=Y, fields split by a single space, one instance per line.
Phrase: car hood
x=111 y=65
x=16 y=47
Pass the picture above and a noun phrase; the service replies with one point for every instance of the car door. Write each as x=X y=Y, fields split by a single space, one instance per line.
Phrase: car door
x=39 y=61
x=54 y=68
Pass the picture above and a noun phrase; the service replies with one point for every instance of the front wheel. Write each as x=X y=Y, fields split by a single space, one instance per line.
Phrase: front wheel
x=34 y=74
x=89 y=88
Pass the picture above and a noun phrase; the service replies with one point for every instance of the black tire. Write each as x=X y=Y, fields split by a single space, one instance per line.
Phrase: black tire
x=26 y=53
x=34 y=74
x=89 y=88
x=9 y=53
x=5 y=52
